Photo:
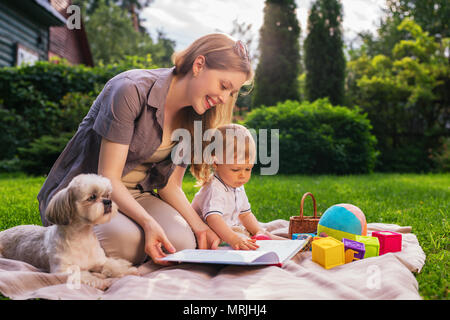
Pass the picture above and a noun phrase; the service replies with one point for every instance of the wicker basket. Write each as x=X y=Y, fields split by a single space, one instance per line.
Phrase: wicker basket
x=304 y=224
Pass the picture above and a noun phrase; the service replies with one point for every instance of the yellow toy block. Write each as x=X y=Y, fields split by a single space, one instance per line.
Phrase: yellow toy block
x=328 y=252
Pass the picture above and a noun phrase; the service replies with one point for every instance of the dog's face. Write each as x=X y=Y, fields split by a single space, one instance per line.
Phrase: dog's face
x=87 y=199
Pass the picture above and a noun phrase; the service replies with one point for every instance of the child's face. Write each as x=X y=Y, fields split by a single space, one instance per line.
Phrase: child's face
x=234 y=175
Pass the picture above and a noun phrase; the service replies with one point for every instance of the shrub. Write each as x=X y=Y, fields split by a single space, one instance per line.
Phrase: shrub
x=54 y=80
x=74 y=107
x=49 y=98
x=14 y=131
x=318 y=138
x=10 y=165
x=442 y=157
x=39 y=156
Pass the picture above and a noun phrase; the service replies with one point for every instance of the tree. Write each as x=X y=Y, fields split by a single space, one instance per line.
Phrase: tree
x=431 y=16
x=324 y=55
x=132 y=6
x=162 y=50
x=279 y=61
x=112 y=36
x=406 y=97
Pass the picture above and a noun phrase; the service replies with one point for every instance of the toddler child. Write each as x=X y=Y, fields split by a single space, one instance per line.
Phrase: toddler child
x=221 y=201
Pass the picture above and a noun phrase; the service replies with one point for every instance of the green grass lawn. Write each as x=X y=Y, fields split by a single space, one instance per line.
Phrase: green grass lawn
x=420 y=201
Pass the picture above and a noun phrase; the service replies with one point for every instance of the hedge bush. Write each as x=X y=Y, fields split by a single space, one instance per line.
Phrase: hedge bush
x=318 y=138
x=49 y=99
x=41 y=154
x=53 y=80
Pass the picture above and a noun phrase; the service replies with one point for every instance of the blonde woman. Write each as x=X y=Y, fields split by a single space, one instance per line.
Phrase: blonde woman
x=126 y=137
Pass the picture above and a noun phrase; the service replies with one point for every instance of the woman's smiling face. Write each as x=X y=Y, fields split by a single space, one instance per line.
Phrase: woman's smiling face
x=211 y=86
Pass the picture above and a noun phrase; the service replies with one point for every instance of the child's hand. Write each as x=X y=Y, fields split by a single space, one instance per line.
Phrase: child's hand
x=240 y=243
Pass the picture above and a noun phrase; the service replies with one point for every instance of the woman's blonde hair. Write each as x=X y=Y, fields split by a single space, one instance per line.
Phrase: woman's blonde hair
x=221 y=52
x=238 y=147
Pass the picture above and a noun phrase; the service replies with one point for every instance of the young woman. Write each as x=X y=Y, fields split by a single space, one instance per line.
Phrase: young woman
x=126 y=137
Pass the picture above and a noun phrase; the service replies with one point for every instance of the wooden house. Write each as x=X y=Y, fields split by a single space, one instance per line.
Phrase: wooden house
x=32 y=30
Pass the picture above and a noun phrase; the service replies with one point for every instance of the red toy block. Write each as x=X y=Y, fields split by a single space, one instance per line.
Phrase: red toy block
x=389 y=241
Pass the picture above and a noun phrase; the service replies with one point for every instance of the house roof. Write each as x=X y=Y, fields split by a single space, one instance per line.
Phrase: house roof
x=42 y=11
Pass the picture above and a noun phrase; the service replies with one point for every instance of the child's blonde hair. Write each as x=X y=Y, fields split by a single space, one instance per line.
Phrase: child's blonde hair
x=221 y=52
x=238 y=147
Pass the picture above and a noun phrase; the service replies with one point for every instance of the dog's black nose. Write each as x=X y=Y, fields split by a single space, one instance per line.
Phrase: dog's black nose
x=107 y=202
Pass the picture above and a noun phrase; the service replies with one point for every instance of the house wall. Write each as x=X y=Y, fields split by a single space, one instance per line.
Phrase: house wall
x=18 y=27
x=66 y=43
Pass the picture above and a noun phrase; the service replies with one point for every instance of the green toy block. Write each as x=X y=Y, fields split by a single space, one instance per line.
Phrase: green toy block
x=371 y=244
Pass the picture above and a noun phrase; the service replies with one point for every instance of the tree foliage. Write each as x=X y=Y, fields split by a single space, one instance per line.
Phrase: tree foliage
x=406 y=96
x=112 y=34
x=324 y=55
x=279 y=61
x=431 y=16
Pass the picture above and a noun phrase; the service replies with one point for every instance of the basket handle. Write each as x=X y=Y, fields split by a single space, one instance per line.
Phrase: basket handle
x=314 y=204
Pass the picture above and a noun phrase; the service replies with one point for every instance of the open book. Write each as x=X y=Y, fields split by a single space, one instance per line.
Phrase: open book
x=270 y=252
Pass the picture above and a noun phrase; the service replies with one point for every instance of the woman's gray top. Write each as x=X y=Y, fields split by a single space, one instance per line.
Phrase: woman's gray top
x=129 y=110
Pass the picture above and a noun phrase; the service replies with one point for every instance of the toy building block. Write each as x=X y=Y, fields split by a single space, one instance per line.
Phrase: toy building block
x=354 y=250
x=317 y=238
x=389 y=241
x=350 y=255
x=371 y=244
x=328 y=252
x=302 y=236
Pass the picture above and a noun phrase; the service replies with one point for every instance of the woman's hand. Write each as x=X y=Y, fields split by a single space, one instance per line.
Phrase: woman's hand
x=206 y=238
x=155 y=239
x=112 y=160
x=174 y=195
x=240 y=243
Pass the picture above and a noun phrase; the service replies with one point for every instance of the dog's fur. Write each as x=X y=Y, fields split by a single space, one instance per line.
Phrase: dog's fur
x=70 y=243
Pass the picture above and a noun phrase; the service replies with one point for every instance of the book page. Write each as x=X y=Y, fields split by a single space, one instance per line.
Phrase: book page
x=269 y=252
x=285 y=249
x=215 y=256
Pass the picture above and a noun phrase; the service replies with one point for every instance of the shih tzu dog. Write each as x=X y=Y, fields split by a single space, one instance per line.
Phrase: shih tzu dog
x=70 y=243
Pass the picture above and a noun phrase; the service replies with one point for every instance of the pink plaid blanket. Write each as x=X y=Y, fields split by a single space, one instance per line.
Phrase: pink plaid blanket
x=389 y=276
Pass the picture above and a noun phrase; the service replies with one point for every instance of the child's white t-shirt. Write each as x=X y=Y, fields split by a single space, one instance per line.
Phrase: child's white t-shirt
x=216 y=197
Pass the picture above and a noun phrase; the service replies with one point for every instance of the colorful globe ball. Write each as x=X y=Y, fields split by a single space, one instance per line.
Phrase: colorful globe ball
x=342 y=221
